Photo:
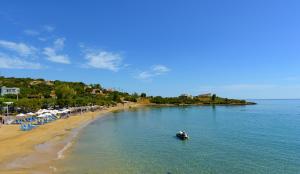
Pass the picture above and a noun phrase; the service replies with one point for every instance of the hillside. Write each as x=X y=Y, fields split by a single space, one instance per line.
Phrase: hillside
x=40 y=93
x=198 y=100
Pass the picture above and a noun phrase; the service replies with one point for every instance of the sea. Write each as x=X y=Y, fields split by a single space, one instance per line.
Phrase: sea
x=252 y=139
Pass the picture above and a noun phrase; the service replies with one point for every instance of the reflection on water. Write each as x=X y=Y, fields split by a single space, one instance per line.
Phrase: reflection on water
x=263 y=138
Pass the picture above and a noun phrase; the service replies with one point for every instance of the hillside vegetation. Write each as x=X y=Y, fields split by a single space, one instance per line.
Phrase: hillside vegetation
x=198 y=100
x=40 y=93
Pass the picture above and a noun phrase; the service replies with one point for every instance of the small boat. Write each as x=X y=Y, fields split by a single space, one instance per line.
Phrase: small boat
x=182 y=135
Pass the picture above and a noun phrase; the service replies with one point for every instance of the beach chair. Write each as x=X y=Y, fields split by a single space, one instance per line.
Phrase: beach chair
x=24 y=127
x=39 y=122
x=29 y=126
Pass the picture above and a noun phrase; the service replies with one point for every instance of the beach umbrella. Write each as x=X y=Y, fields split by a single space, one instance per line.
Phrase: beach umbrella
x=31 y=114
x=39 y=112
x=55 y=112
x=21 y=115
x=42 y=111
x=48 y=114
x=41 y=116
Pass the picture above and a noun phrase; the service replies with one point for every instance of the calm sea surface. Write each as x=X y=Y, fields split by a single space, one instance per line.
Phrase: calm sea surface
x=257 y=139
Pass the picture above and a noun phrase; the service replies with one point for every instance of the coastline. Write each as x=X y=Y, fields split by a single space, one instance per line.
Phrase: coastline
x=35 y=150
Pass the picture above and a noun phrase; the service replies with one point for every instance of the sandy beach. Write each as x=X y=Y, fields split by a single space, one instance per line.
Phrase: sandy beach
x=34 y=151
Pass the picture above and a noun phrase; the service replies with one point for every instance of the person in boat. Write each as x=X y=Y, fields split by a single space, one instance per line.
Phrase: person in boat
x=182 y=135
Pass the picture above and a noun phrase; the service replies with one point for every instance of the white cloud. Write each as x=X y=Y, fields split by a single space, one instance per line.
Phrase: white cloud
x=48 y=28
x=155 y=70
x=21 y=48
x=103 y=59
x=31 y=32
x=160 y=69
x=52 y=55
x=144 y=75
x=59 y=43
x=15 y=55
x=17 y=63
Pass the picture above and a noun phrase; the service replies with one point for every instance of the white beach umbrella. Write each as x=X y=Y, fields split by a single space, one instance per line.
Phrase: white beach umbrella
x=40 y=111
x=55 y=112
x=62 y=111
x=31 y=114
x=41 y=116
x=21 y=115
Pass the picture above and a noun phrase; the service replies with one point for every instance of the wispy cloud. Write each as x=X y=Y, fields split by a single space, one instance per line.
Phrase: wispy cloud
x=43 y=39
x=15 y=55
x=52 y=56
x=48 y=28
x=160 y=69
x=19 y=55
x=102 y=59
x=155 y=70
x=52 y=52
x=8 y=62
x=59 y=43
x=31 y=32
x=44 y=33
x=21 y=48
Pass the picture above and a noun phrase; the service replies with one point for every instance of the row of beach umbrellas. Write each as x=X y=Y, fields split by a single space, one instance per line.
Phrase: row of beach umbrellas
x=44 y=113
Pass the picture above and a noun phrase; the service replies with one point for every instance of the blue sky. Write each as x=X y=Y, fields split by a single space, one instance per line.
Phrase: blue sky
x=235 y=48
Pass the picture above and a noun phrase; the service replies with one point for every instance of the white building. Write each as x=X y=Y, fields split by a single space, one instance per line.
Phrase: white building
x=205 y=95
x=4 y=90
x=186 y=96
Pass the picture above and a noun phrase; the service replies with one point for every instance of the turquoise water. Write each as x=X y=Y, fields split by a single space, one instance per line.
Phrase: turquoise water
x=263 y=138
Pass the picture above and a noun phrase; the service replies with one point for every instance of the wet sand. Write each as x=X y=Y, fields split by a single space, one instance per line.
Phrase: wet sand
x=34 y=151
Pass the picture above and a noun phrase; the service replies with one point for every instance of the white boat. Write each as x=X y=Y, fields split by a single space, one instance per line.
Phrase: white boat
x=182 y=135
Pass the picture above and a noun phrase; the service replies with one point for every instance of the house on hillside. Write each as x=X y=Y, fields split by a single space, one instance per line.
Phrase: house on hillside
x=5 y=90
x=186 y=96
x=205 y=95
x=53 y=94
x=96 y=91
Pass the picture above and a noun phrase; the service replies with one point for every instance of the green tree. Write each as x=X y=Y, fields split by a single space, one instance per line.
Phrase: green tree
x=143 y=95
x=64 y=94
x=213 y=97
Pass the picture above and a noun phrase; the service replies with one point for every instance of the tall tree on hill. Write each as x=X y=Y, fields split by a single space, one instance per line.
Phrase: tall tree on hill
x=213 y=97
x=143 y=95
x=64 y=94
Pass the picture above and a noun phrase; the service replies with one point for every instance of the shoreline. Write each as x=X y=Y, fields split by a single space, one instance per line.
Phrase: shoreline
x=35 y=150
